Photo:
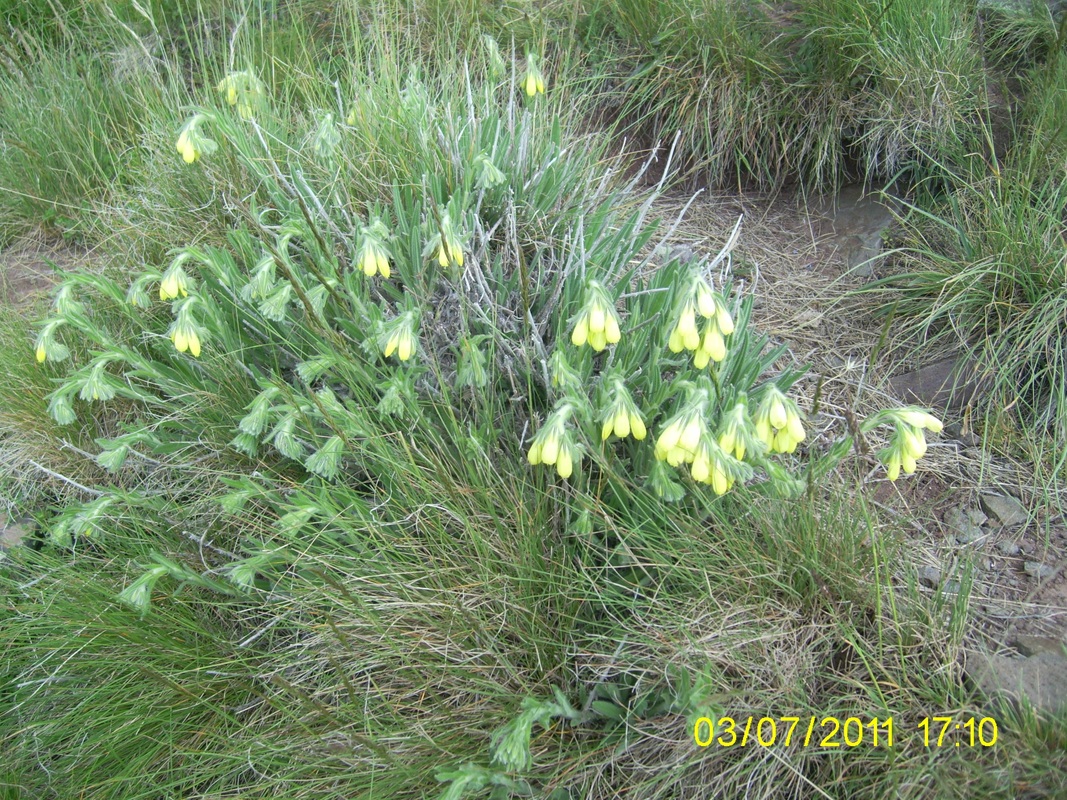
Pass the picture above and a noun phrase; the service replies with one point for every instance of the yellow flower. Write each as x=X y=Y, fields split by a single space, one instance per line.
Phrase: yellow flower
x=621 y=416
x=47 y=348
x=174 y=283
x=918 y=418
x=552 y=445
x=534 y=82
x=679 y=441
x=402 y=343
x=778 y=422
x=191 y=142
x=598 y=322
x=373 y=256
x=446 y=244
x=399 y=337
x=685 y=335
x=736 y=436
x=186 y=147
x=243 y=90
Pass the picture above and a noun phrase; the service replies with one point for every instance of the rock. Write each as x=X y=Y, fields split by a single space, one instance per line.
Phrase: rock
x=951 y=587
x=1004 y=509
x=1035 y=569
x=931 y=576
x=13 y=532
x=1041 y=678
x=961 y=524
x=1032 y=645
x=976 y=516
x=1007 y=547
x=952 y=383
x=966 y=438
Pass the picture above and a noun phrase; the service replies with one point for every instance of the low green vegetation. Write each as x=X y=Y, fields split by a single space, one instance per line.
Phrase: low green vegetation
x=386 y=449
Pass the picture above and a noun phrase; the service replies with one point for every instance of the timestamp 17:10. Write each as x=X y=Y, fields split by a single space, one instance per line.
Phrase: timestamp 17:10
x=980 y=731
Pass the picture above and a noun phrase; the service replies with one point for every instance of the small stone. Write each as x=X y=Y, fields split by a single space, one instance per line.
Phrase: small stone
x=959 y=521
x=931 y=576
x=975 y=515
x=1000 y=610
x=1035 y=569
x=1004 y=509
x=1007 y=547
x=951 y=587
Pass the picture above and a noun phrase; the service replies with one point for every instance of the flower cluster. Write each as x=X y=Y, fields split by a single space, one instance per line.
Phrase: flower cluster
x=184 y=331
x=554 y=443
x=909 y=442
x=489 y=175
x=48 y=347
x=175 y=283
x=373 y=255
x=686 y=440
x=398 y=336
x=598 y=321
x=620 y=415
x=535 y=81
x=709 y=345
x=778 y=422
x=446 y=245
x=192 y=143
x=736 y=432
x=245 y=91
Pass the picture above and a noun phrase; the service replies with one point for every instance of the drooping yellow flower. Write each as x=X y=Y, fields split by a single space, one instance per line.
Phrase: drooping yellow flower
x=398 y=336
x=699 y=299
x=373 y=255
x=192 y=143
x=598 y=321
x=185 y=332
x=909 y=441
x=175 y=282
x=402 y=343
x=188 y=150
x=621 y=416
x=48 y=348
x=446 y=245
x=534 y=83
x=679 y=440
x=778 y=422
x=245 y=91
x=917 y=418
x=553 y=444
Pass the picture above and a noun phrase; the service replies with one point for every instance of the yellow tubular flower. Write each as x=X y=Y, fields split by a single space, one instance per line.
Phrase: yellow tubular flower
x=913 y=442
x=580 y=334
x=534 y=456
x=174 y=283
x=702 y=466
x=534 y=83
x=668 y=439
x=565 y=462
x=919 y=419
x=40 y=353
x=637 y=427
x=687 y=328
x=398 y=336
x=892 y=467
